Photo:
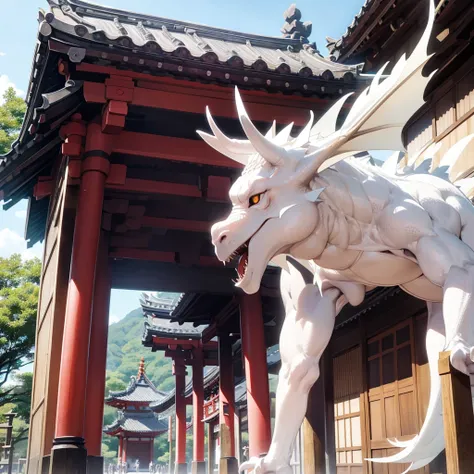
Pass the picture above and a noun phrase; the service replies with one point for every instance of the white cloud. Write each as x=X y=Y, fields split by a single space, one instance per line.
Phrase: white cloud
x=20 y=214
x=114 y=318
x=5 y=83
x=11 y=242
x=2 y=54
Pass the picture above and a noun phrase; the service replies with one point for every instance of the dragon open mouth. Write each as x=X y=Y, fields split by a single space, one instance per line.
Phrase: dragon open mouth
x=242 y=253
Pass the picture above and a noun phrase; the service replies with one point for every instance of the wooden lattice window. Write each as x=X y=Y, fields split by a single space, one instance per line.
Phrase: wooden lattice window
x=347 y=375
x=392 y=393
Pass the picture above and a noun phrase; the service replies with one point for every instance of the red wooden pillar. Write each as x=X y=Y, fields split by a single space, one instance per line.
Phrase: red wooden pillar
x=179 y=371
x=124 y=450
x=120 y=449
x=68 y=454
x=152 y=452
x=97 y=362
x=199 y=465
x=170 y=439
x=256 y=374
x=227 y=462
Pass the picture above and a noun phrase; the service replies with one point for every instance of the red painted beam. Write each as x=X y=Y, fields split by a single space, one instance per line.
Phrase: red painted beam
x=172 y=341
x=153 y=255
x=170 y=148
x=146 y=186
x=143 y=254
x=176 y=224
x=219 y=107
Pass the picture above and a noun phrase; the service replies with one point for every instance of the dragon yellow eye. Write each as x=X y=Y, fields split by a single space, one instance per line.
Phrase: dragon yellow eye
x=255 y=199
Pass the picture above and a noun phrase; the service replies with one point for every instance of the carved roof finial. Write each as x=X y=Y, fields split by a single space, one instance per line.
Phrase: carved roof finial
x=293 y=27
x=141 y=368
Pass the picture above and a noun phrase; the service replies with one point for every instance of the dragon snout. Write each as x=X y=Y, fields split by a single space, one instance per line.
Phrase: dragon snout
x=218 y=234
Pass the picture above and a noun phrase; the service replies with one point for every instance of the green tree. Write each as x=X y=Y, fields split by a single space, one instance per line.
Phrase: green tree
x=19 y=288
x=11 y=116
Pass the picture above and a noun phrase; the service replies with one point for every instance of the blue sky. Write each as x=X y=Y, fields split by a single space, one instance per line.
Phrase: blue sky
x=18 y=27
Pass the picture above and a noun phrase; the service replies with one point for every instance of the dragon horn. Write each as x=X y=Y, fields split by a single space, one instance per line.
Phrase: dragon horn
x=272 y=153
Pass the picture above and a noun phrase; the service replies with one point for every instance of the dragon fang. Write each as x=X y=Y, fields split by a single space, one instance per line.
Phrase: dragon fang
x=355 y=226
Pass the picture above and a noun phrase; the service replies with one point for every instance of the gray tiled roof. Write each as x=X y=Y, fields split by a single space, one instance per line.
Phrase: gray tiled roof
x=159 y=307
x=157 y=35
x=137 y=422
x=211 y=378
x=334 y=45
x=141 y=390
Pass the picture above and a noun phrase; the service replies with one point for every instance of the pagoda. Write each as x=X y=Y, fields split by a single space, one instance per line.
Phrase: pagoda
x=136 y=425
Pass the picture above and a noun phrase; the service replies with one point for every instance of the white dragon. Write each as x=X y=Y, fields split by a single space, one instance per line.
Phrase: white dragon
x=355 y=226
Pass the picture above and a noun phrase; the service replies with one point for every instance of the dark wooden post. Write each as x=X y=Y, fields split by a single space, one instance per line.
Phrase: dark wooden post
x=97 y=362
x=256 y=374
x=198 y=465
x=458 y=417
x=170 y=439
x=314 y=427
x=210 y=446
x=8 y=447
x=228 y=462
x=179 y=370
x=69 y=455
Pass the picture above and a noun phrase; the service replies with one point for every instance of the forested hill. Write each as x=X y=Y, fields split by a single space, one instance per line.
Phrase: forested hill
x=125 y=350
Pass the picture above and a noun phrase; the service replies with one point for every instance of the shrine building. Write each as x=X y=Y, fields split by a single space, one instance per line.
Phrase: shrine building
x=123 y=194
x=136 y=425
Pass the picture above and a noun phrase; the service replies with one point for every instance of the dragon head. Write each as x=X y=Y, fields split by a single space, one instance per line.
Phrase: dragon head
x=273 y=201
x=273 y=207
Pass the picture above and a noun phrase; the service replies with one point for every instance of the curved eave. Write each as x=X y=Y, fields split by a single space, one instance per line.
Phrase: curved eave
x=182 y=49
x=38 y=140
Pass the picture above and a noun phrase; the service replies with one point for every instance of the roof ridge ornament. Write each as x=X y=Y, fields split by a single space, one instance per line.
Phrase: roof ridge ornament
x=294 y=28
x=141 y=369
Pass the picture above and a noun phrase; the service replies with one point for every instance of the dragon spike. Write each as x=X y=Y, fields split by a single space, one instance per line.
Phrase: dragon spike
x=391 y=163
x=271 y=131
x=214 y=142
x=234 y=146
x=274 y=154
x=283 y=136
x=313 y=196
x=327 y=123
x=303 y=138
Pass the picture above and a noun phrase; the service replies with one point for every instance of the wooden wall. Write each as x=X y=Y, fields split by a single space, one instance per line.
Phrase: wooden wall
x=381 y=385
x=50 y=322
x=447 y=117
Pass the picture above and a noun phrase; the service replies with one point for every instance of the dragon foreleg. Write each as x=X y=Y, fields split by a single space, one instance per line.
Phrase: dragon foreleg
x=308 y=326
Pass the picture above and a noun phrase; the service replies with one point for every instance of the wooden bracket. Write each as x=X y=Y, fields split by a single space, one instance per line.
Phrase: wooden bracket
x=43 y=188
x=118 y=93
x=116 y=173
x=73 y=134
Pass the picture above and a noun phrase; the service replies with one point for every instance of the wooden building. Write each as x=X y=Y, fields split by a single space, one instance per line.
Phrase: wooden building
x=123 y=194
x=136 y=425
x=377 y=361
